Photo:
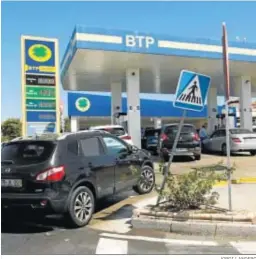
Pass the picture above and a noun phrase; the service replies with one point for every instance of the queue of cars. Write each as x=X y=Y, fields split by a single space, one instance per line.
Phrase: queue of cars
x=69 y=174
x=160 y=141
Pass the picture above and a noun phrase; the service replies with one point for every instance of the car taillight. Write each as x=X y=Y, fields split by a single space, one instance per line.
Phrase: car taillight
x=126 y=137
x=236 y=140
x=53 y=174
x=163 y=136
x=196 y=137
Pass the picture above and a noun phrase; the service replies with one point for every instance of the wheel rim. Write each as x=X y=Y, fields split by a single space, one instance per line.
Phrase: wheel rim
x=147 y=180
x=83 y=206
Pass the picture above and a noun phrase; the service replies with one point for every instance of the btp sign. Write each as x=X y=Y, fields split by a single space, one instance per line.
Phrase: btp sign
x=138 y=41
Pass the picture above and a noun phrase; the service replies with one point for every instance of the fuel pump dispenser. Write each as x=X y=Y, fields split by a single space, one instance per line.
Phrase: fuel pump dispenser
x=121 y=119
x=232 y=118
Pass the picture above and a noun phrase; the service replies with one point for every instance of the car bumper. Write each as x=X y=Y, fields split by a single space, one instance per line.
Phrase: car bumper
x=33 y=201
x=242 y=147
x=183 y=151
x=152 y=146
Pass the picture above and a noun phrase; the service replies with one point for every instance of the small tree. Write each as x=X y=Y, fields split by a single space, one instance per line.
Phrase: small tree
x=193 y=189
x=11 y=128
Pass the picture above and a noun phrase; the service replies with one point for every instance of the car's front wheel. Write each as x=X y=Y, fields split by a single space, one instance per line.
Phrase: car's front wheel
x=81 y=207
x=147 y=180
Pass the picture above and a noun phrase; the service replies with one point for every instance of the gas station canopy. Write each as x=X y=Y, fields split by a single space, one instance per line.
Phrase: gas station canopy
x=95 y=58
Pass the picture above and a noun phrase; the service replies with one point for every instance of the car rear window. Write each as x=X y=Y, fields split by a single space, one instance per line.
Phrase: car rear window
x=24 y=153
x=171 y=130
x=240 y=131
x=115 y=131
x=152 y=132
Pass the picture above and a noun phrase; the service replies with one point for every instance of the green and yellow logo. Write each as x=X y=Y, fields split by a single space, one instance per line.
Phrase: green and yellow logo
x=39 y=53
x=83 y=104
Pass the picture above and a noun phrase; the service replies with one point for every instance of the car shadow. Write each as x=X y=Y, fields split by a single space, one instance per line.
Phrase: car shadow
x=26 y=223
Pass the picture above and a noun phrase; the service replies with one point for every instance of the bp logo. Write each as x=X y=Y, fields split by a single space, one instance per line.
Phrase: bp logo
x=39 y=53
x=83 y=104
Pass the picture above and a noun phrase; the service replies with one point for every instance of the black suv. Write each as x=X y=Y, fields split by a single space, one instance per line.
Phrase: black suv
x=68 y=174
x=189 y=143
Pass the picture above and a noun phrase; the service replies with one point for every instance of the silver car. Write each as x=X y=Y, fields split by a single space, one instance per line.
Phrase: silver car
x=241 y=140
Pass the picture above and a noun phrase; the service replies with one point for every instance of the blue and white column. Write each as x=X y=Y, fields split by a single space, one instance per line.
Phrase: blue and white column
x=74 y=124
x=212 y=108
x=116 y=101
x=245 y=102
x=133 y=105
x=157 y=86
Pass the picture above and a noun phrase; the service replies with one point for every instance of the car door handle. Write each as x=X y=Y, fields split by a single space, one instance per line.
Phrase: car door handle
x=81 y=168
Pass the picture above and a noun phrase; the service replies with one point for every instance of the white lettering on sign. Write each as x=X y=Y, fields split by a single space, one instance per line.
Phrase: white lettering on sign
x=139 y=41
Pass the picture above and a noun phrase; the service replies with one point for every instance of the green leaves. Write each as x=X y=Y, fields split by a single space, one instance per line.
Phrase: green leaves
x=194 y=189
x=40 y=51
x=11 y=128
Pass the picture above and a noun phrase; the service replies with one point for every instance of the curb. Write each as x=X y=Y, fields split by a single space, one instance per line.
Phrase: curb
x=242 y=180
x=249 y=218
x=196 y=228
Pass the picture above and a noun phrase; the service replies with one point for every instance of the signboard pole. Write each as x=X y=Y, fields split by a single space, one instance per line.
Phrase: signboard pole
x=23 y=91
x=167 y=165
x=227 y=87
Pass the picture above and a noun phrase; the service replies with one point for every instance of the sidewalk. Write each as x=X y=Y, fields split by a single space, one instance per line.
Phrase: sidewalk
x=245 y=164
x=243 y=197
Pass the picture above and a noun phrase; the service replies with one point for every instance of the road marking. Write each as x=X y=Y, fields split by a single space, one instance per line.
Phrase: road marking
x=112 y=246
x=248 y=247
x=162 y=240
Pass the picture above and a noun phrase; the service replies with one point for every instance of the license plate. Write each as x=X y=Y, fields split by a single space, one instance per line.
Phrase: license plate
x=181 y=149
x=16 y=183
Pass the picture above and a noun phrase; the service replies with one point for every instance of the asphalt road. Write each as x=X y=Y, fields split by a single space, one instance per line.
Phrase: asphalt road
x=48 y=238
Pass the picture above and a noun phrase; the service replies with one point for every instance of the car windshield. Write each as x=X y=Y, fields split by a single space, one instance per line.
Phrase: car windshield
x=240 y=131
x=24 y=153
x=115 y=131
x=172 y=130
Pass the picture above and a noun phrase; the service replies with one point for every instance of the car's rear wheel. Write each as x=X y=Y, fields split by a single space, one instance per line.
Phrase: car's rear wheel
x=146 y=182
x=253 y=152
x=81 y=207
x=197 y=157
x=224 y=149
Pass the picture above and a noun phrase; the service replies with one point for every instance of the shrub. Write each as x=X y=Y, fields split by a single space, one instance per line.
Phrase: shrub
x=193 y=189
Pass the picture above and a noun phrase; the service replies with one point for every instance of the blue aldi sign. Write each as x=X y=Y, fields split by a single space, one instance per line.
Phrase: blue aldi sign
x=192 y=91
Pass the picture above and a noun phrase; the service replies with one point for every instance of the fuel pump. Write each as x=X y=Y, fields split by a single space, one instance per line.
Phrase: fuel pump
x=121 y=119
x=232 y=118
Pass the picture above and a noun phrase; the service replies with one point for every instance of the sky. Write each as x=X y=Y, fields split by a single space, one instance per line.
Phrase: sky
x=58 y=19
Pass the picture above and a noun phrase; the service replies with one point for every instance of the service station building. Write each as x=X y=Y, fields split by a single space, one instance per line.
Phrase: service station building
x=134 y=62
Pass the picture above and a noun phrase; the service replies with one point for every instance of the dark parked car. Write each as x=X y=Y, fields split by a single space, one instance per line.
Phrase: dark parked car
x=150 y=139
x=68 y=174
x=189 y=143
